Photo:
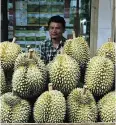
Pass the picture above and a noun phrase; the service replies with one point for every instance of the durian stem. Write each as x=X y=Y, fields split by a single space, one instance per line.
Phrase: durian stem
x=61 y=50
x=84 y=89
x=14 y=39
x=13 y=93
x=30 y=53
x=73 y=32
x=28 y=47
x=50 y=87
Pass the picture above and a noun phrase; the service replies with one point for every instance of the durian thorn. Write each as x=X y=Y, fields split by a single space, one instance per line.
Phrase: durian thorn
x=50 y=87
x=84 y=89
x=28 y=47
x=30 y=53
x=73 y=32
x=14 y=40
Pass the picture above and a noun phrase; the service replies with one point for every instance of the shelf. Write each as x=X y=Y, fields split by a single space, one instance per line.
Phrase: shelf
x=99 y=123
x=38 y=26
x=32 y=25
x=51 y=3
x=46 y=3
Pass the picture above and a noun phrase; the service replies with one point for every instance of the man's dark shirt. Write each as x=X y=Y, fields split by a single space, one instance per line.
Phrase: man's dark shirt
x=48 y=52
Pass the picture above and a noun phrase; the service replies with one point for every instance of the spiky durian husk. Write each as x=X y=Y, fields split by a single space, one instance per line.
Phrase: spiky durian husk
x=78 y=49
x=5 y=81
x=14 y=109
x=34 y=75
x=50 y=107
x=107 y=107
x=107 y=50
x=28 y=81
x=24 y=60
x=64 y=73
x=8 y=53
x=81 y=107
x=2 y=82
x=99 y=75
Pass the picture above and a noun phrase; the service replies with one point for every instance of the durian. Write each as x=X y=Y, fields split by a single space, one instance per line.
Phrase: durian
x=50 y=107
x=23 y=59
x=29 y=78
x=78 y=49
x=107 y=107
x=14 y=109
x=8 y=53
x=2 y=82
x=64 y=73
x=107 y=50
x=99 y=75
x=81 y=106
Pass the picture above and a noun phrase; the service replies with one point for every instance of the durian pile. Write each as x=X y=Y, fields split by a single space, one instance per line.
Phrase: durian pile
x=72 y=88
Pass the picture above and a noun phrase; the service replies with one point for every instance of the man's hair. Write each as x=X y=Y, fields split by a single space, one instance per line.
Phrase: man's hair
x=57 y=19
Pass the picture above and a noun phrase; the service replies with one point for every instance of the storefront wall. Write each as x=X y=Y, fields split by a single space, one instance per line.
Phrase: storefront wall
x=28 y=19
x=102 y=23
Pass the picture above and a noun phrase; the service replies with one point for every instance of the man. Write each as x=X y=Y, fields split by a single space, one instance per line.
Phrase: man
x=49 y=48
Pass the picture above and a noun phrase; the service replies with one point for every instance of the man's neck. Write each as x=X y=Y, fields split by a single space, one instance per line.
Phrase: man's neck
x=56 y=42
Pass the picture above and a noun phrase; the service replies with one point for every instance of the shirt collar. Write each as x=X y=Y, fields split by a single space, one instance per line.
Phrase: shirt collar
x=62 y=41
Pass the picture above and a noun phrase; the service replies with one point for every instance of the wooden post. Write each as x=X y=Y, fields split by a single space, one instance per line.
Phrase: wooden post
x=113 y=34
x=115 y=20
x=77 y=20
x=67 y=8
x=94 y=27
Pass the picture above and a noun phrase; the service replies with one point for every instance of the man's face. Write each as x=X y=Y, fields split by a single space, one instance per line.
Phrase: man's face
x=56 y=30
